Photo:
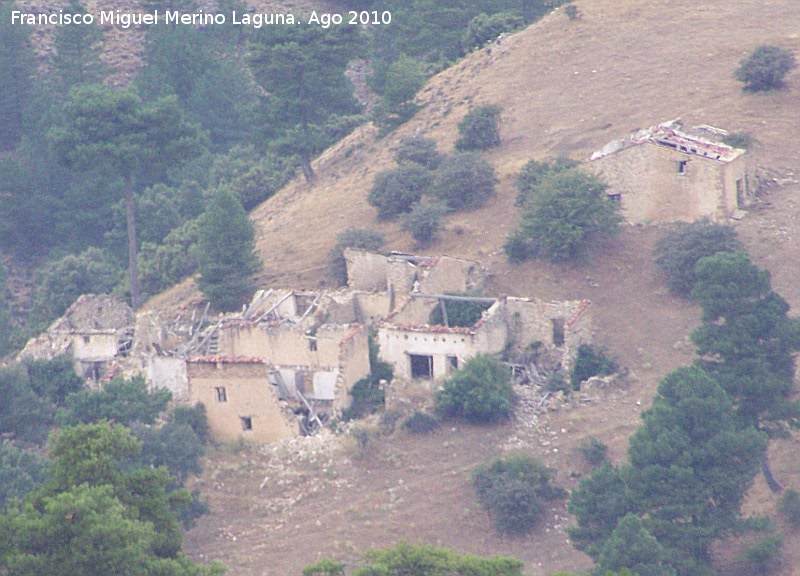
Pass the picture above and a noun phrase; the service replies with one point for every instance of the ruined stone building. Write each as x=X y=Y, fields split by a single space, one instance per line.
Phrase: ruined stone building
x=667 y=173
x=417 y=349
x=95 y=330
x=287 y=362
x=281 y=368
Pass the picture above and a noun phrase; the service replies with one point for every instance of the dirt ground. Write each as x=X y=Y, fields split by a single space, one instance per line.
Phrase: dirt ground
x=566 y=87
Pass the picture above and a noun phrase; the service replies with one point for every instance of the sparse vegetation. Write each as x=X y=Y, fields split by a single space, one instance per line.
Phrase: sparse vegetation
x=572 y=12
x=563 y=211
x=479 y=392
x=765 y=69
x=741 y=140
x=484 y=29
x=351 y=238
x=684 y=245
x=515 y=490
x=593 y=451
x=480 y=129
x=465 y=181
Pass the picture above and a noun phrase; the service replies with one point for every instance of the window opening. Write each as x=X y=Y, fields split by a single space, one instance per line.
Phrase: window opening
x=247 y=423
x=221 y=393
x=421 y=366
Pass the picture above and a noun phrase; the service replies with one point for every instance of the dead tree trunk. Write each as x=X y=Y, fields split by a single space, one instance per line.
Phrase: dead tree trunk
x=768 y=475
x=133 y=261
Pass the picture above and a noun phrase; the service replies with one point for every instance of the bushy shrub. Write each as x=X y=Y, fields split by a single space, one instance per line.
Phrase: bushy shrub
x=593 y=451
x=423 y=221
x=684 y=245
x=350 y=238
x=765 y=68
x=479 y=129
x=515 y=491
x=557 y=382
x=532 y=173
x=591 y=361
x=572 y=12
x=562 y=213
x=789 y=507
x=395 y=191
x=420 y=423
x=479 y=392
x=483 y=29
x=464 y=181
x=419 y=150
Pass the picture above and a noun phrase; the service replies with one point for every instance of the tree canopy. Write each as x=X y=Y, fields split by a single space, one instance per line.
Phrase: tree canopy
x=117 y=133
x=302 y=69
x=226 y=253
x=563 y=210
x=689 y=467
x=747 y=341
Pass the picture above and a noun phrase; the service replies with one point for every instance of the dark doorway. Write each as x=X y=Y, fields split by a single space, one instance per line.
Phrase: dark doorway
x=558 y=331
x=421 y=366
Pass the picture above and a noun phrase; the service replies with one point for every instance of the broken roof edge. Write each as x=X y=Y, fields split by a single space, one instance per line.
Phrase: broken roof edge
x=671 y=134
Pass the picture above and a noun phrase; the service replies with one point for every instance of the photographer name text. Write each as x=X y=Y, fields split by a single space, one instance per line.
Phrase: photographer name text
x=124 y=20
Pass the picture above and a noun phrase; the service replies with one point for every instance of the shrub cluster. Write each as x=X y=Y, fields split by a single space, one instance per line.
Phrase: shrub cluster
x=765 y=68
x=479 y=392
x=789 y=507
x=591 y=361
x=479 y=129
x=515 y=491
x=684 y=245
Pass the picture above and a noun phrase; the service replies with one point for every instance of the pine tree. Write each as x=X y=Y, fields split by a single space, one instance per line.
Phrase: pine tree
x=17 y=69
x=226 y=253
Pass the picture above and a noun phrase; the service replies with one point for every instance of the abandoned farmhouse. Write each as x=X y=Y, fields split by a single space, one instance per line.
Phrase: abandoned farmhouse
x=668 y=173
x=288 y=361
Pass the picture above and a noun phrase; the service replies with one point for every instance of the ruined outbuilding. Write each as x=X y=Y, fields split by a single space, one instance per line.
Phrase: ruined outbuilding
x=95 y=330
x=668 y=173
x=418 y=349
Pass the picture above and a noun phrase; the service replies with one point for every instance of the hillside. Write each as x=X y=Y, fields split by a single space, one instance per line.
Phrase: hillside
x=566 y=87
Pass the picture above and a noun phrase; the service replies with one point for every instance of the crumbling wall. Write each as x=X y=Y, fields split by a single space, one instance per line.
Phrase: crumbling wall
x=565 y=324
x=353 y=364
x=365 y=270
x=237 y=395
x=448 y=348
x=372 y=307
x=452 y=275
x=170 y=373
x=400 y=277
